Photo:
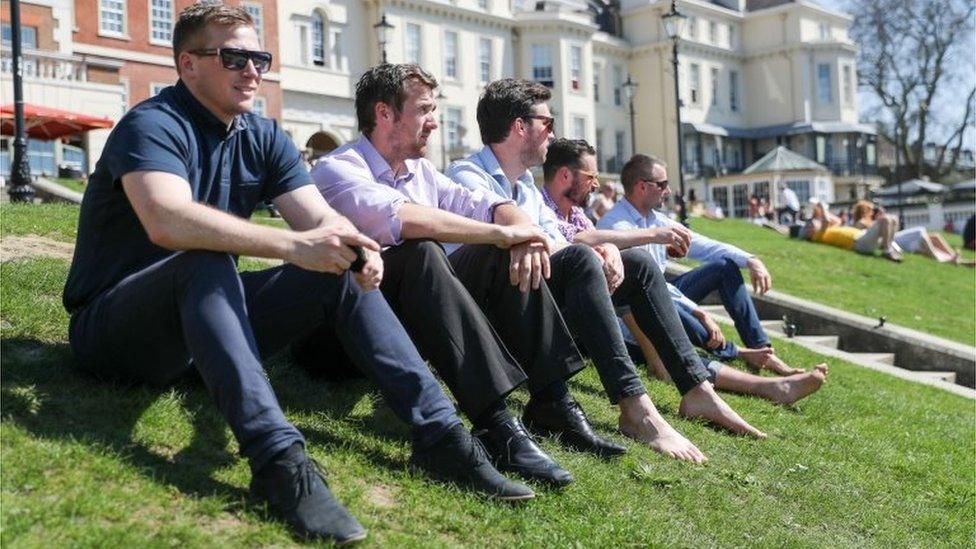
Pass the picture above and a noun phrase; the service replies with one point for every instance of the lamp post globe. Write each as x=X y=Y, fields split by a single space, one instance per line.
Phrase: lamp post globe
x=383 y=29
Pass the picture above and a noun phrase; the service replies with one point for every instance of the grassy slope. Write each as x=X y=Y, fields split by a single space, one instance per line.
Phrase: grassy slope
x=921 y=294
x=870 y=460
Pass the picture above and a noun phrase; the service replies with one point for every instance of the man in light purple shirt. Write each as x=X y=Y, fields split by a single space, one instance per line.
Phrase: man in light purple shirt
x=483 y=318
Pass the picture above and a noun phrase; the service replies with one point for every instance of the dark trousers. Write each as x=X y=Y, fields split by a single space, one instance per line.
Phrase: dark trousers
x=645 y=291
x=725 y=277
x=193 y=309
x=475 y=322
x=580 y=288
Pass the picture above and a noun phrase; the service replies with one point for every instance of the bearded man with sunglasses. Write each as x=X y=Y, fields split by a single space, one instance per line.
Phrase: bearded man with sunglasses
x=154 y=291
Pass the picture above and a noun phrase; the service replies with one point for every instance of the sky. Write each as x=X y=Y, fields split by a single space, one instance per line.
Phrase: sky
x=951 y=108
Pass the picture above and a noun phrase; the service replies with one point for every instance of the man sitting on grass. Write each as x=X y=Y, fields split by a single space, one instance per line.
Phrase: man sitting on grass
x=570 y=175
x=645 y=181
x=154 y=290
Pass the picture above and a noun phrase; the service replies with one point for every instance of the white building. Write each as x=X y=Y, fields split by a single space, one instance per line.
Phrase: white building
x=752 y=75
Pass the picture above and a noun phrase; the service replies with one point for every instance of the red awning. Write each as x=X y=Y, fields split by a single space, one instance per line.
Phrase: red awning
x=47 y=123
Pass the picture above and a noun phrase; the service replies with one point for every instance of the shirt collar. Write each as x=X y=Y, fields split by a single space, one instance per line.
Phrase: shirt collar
x=378 y=166
x=547 y=198
x=489 y=163
x=633 y=212
x=203 y=116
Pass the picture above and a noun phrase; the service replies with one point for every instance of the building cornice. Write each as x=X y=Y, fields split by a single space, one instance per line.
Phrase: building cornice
x=803 y=47
x=545 y=21
x=607 y=44
x=804 y=5
x=662 y=6
x=451 y=12
x=685 y=46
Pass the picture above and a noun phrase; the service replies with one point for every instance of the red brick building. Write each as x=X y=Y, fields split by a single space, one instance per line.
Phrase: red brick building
x=139 y=33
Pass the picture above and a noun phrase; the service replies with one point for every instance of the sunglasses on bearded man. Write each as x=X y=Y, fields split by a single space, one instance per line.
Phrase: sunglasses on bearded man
x=235 y=59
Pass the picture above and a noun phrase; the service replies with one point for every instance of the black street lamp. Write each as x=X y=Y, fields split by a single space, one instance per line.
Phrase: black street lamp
x=383 y=29
x=630 y=88
x=674 y=22
x=440 y=99
x=20 y=189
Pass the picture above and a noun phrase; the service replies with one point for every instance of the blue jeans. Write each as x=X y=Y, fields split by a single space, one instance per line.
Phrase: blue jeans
x=194 y=310
x=725 y=277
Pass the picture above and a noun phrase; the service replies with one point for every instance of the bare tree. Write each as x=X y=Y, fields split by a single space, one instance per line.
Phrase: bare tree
x=915 y=54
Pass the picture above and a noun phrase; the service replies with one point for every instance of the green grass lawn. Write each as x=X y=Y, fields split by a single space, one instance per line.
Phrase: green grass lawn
x=77 y=185
x=869 y=461
x=919 y=293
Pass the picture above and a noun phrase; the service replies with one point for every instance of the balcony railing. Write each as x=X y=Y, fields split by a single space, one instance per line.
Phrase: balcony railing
x=696 y=169
x=53 y=65
x=846 y=168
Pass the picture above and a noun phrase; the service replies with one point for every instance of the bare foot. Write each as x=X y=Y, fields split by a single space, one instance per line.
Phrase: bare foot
x=640 y=420
x=755 y=358
x=702 y=402
x=776 y=365
x=791 y=389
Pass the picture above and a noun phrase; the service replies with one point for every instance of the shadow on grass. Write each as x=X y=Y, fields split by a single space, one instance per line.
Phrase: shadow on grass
x=44 y=394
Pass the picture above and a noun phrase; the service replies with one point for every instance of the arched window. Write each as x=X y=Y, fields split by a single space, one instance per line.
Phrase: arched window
x=318 y=38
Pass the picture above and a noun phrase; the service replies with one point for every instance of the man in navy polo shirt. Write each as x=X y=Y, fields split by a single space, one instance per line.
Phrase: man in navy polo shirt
x=154 y=290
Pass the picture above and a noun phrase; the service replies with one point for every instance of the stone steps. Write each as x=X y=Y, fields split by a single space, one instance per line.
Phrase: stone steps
x=828 y=345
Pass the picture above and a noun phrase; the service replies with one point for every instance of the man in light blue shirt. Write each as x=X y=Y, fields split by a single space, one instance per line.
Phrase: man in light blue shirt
x=645 y=181
x=516 y=128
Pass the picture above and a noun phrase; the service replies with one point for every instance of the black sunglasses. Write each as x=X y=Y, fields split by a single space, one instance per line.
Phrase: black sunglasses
x=547 y=121
x=661 y=185
x=235 y=59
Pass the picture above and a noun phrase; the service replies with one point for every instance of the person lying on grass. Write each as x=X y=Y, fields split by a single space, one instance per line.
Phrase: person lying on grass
x=636 y=222
x=154 y=291
x=826 y=228
x=914 y=240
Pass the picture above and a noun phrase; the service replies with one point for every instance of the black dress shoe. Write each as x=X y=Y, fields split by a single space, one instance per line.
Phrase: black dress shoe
x=566 y=420
x=460 y=458
x=512 y=449
x=295 y=489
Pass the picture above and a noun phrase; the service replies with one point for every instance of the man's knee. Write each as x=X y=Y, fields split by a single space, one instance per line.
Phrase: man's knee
x=582 y=258
x=423 y=255
x=730 y=268
x=204 y=261
x=639 y=263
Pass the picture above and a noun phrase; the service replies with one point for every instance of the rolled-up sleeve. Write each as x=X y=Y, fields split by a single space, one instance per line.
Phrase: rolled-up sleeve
x=348 y=186
x=472 y=203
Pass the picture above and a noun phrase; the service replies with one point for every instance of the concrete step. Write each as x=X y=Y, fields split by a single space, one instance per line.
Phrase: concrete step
x=716 y=310
x=948 y=377
x=822 y=341
x=828 y=345
x=882 y=358
x=772 y=325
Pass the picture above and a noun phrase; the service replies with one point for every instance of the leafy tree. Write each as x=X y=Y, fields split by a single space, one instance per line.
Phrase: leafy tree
x=916 y=55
